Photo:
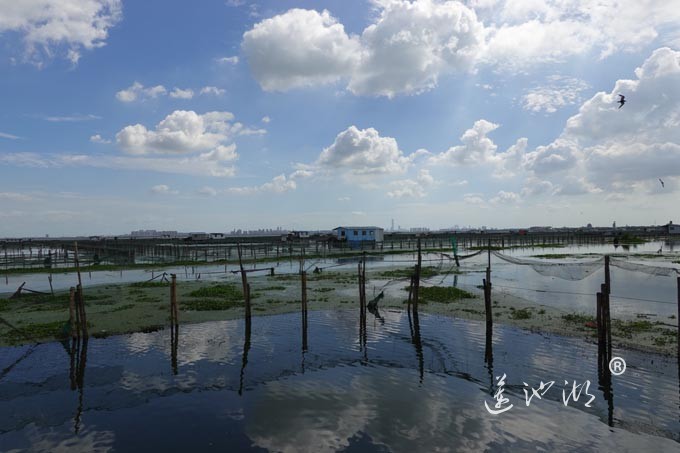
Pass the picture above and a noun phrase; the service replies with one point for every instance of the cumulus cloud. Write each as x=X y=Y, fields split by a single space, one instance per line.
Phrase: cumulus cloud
x=137 y=91
x=412 y=188
x=299 y=48
x=279 y=184
x=504 y=197
x=365 y=152
x=479 y=149
x=179 y=93
x=180 y=132
x=228 y=60
x=184 y=142
x=96 y=138
x=266 y=119
x=409 y=45
x=558 y=92
x=404 y=51
x=59 y=27
x=607 y=148
x=214 y=91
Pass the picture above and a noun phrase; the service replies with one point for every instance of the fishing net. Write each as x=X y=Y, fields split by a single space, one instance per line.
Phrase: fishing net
x=573 y=271
x=658 y=271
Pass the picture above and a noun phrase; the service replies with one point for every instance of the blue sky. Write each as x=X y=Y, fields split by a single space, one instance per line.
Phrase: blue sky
x=121 y=115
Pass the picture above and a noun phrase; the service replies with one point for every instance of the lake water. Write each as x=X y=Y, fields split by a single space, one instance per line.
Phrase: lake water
x=633 y=293
x=403 y=388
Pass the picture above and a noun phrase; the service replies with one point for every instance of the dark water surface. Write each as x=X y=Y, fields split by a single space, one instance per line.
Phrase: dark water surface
x=413 y=387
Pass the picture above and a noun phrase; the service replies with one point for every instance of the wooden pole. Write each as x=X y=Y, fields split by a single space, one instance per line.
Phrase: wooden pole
x=173 y=300
x=81 y=308
x=416 y=286
x=678 y=319
x=244 y=281
x=71 y=311
x=49 y=278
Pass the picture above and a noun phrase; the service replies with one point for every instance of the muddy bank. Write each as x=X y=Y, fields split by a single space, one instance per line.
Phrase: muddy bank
x=123 y=308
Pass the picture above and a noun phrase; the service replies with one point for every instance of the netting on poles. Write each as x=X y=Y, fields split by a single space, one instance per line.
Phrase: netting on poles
x=657 y=271
x=577 y=270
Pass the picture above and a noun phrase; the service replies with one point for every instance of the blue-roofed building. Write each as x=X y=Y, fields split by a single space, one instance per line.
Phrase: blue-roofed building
x=359 y=233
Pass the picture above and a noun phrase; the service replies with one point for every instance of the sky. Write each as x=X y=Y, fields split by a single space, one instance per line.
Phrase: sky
x=217 y=115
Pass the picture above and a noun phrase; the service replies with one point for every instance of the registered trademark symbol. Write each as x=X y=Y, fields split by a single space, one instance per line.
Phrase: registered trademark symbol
x=617 y=366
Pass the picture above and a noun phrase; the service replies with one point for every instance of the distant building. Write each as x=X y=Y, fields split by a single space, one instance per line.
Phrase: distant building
x=671 y=228
x=299 y=234
x=359 y=233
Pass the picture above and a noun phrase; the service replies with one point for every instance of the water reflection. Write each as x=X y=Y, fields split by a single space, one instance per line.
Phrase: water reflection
x=246 y=348
x=78 y=362
x=174 y=344
x=397 y=402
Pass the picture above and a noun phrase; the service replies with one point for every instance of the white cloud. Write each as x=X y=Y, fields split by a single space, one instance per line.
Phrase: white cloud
x=404 y=51
x=228 y=60
x=14 y=196
x=477 y=148
x=193 y=166
x=365 y=152
x=214 y=91
x=162 y=189
x=344 y=199
x=96 y=138
x=279 y=184
x=138 y=91
x=180 y=132
x=9 y=136
x=52 y=27
x=179 y=93
x=504 y=197
x=266 y=119
x=557 y=93
x=299 y=48
x=71 y=118
x=526 y=33
x=474 y=199
x=409 y=45
x=412 y=188
x=607 y=148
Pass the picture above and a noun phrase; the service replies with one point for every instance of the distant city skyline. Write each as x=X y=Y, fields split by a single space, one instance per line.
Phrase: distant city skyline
x=121 y=116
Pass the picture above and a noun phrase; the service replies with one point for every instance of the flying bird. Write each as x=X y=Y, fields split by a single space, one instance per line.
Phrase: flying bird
x=622 y=100
x=662 y=184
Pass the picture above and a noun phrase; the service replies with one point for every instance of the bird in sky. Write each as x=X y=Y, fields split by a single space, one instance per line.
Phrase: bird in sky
x=662 y=184
x=622 y=100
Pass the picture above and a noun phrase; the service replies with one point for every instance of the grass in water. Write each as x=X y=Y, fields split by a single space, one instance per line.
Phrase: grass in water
x=522 y=313
x=425 y=272
x=153 y=284
x=223 y=291
x=442 y=294
x=211 y=304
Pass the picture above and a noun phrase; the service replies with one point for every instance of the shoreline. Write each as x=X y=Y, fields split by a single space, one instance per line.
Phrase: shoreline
x=114 y=309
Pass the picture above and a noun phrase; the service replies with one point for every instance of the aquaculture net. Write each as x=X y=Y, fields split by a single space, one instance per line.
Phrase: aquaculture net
x=578 y=270
x=573 y=271
x=658 y=271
